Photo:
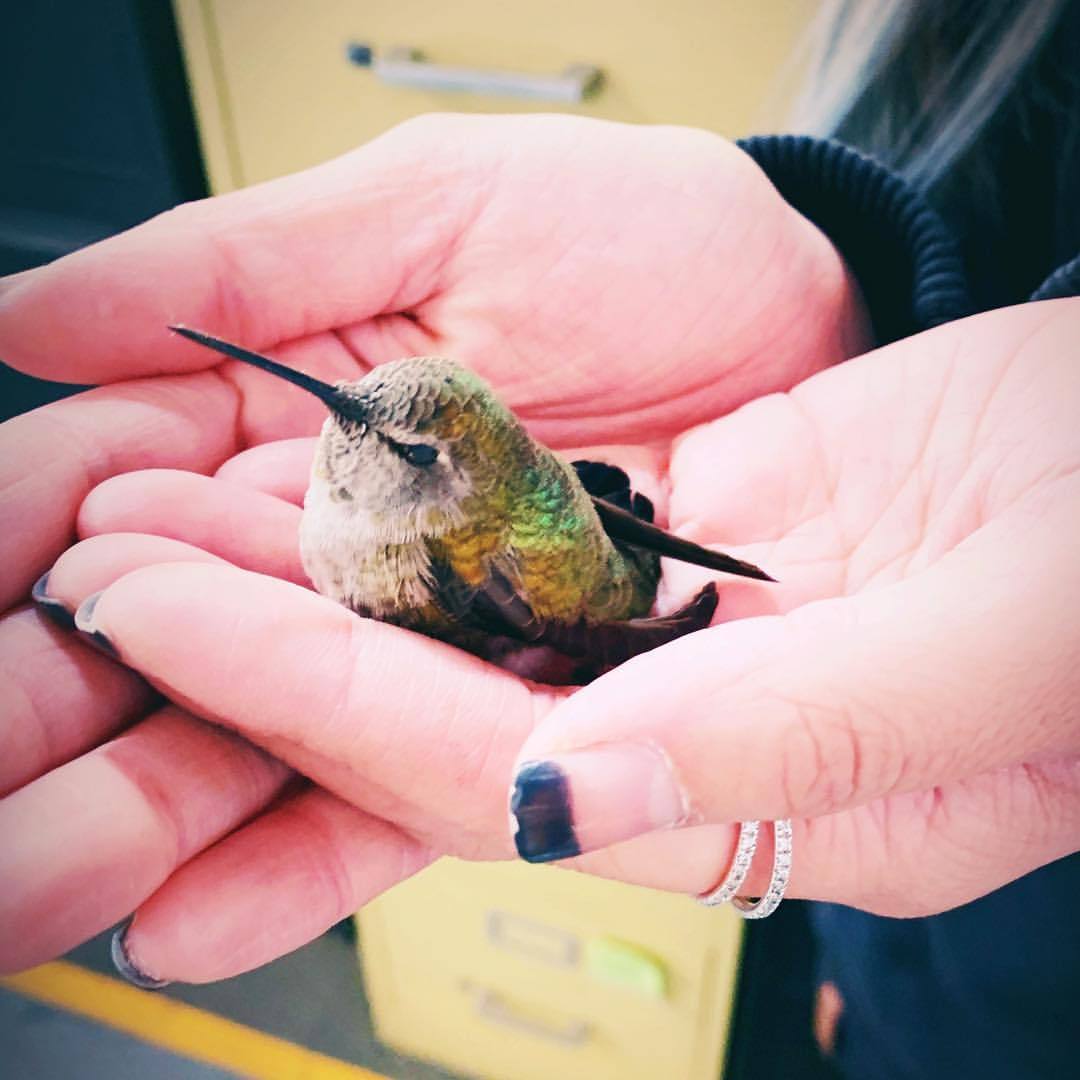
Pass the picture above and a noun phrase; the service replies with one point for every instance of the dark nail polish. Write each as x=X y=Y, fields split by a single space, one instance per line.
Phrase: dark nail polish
x=123 y=963
x=84 y=623
x=540 y=804
x=49 y=606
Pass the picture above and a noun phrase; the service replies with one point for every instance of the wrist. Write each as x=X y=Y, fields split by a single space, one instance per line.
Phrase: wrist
x=840 y=298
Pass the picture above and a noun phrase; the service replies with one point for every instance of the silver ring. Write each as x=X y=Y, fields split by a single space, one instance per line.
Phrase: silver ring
x=740 y=866
x=781 y=870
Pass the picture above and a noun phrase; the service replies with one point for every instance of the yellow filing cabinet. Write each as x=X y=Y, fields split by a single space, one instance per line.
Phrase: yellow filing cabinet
x=275 y=90
x=519 y=972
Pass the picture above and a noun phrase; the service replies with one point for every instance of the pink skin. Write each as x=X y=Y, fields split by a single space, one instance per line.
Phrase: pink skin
x=415 y=243
x=902 y=530
x=925 y=744
x=608 y=278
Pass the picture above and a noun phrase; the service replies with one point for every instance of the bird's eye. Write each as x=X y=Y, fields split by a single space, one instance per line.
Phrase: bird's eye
x=419 y=454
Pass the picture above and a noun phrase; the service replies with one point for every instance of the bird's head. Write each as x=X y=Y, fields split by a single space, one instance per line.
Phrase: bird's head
x=422 y=438
x=422 y=435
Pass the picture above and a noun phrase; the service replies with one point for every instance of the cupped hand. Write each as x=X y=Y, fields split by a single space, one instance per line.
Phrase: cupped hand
x=605 y=277
x=907 y=695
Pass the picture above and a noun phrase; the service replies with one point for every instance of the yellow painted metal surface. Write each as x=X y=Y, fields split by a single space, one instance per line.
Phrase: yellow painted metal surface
x=209 y=93
x=178 y=1027
x=275 y=91
x=509 y=971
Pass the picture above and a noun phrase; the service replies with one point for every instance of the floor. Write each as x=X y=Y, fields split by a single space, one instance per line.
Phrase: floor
x=305 y=1017
x=47 y=1043
x=312 y=999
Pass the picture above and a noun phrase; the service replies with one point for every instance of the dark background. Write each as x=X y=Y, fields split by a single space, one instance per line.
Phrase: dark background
x=96 y=135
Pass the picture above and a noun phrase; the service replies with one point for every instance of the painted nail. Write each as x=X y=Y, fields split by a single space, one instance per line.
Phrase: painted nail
x=84 y=623
x=49 y=606
x=122 y=961
x=540 y=805
x=587 y=799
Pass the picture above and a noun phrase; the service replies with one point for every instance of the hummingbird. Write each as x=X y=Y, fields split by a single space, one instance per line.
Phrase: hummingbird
x=430 y=506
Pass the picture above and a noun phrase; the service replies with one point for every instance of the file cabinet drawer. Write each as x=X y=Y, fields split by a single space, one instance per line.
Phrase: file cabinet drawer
x=276 y=91
x=518 y=972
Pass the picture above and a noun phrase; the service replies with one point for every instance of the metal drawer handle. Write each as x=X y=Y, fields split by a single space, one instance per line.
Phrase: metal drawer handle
x=535 y=940
x=408 y=67
x=494 y=1007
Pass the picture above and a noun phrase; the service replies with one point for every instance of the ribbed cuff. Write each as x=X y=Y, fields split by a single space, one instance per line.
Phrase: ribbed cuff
x=1063 y=282
x=903 y=256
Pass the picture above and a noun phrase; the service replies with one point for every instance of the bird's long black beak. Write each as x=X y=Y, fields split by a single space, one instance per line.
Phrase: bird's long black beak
x=333 y=398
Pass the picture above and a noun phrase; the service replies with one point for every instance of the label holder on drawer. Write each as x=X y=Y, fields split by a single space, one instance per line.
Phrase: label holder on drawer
x=494 y=1008
x=535 y=940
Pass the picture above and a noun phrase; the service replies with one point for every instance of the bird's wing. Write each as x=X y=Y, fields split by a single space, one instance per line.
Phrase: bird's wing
x=493 y=606
x=627 y=518
x=497 y=608
x=612 y=485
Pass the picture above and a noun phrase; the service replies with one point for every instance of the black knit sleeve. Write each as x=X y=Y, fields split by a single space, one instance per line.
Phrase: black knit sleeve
x=1063 y=282
x=905 y=260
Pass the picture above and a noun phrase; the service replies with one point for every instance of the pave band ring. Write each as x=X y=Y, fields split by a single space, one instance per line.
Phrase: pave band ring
x=765 y=905
x=740 y=866
x=745 y=849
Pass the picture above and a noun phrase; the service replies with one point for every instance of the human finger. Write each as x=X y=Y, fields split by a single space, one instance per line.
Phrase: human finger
x=86 y=843
x=60 y=698
x=280 y=468
x=919 y=853
x=271 y=263
x=96 y=562
x=243 y=526
x=51 y=458
x=458 y=744
x=361 y=707
x=326 y=859
x=835 y=704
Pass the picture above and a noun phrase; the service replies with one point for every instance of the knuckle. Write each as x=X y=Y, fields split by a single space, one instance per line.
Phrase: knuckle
x=155 y=796
x=24 y=732
x=319 y=848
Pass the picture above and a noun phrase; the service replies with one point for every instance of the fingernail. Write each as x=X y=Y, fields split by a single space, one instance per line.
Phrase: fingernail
x=49 y=606
x=126 y=966
x=587 y=799
x=540 y=805
x=84 y=623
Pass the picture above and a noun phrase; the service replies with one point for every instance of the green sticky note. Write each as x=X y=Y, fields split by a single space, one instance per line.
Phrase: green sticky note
x=624 y=964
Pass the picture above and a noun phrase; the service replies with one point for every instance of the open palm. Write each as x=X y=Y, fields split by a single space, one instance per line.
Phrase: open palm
x=610 y=280
x=900 y=694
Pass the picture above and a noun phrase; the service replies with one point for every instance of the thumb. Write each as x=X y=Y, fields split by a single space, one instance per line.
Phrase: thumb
x=834 y=704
